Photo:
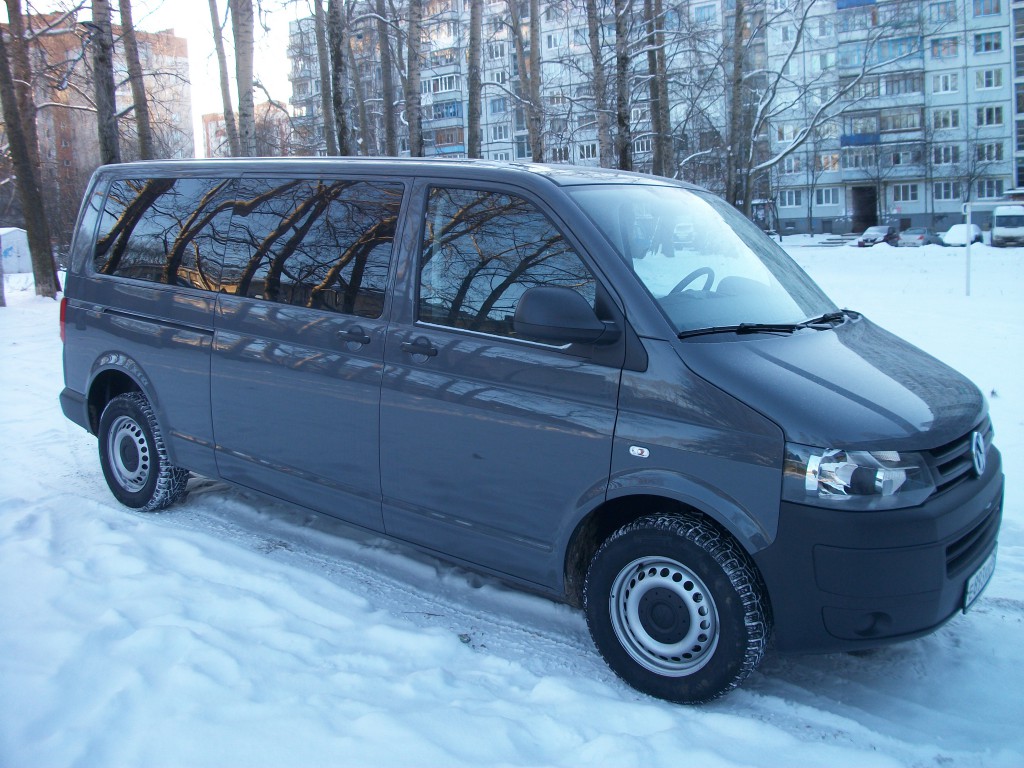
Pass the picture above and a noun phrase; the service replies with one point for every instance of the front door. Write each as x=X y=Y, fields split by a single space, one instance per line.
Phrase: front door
x=491 y=444
x=299 y=341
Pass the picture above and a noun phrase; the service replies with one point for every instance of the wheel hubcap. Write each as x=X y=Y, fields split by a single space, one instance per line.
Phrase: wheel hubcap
x=664 y=616
x=128 y=452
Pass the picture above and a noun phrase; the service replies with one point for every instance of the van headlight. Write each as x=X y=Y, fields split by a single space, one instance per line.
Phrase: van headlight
x=858 y=480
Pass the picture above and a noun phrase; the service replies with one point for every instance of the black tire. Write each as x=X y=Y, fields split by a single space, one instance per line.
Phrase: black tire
x=134 y=457
x=677 y=608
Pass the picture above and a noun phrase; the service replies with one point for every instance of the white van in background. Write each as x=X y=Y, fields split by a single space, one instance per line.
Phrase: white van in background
x=1007 y=225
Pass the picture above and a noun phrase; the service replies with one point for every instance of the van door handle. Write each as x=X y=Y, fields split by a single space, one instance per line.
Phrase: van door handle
x=421 y=346
x=354 y=335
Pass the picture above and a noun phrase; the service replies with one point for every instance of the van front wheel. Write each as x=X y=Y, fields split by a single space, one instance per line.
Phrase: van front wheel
x=133 y=455
x=676 y=608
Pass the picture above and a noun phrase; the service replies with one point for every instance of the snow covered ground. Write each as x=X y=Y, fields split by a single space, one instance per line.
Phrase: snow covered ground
x=229 y=631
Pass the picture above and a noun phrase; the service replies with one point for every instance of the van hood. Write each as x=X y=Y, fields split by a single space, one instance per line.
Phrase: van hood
x=855 y=386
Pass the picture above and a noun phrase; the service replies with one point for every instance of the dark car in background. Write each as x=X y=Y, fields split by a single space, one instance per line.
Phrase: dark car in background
x=879 y=234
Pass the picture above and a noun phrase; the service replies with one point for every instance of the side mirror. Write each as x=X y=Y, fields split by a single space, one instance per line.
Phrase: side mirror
x=560 y=315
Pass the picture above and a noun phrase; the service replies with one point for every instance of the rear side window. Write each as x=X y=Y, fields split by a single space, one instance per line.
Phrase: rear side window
x=321 y=244
x=482 y=251
x=164 y=230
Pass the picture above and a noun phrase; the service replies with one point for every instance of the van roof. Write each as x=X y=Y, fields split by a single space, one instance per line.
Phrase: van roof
x=1009 y=210
x=523 y=173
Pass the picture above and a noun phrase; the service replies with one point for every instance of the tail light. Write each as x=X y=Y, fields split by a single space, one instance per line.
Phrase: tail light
x=63 y=316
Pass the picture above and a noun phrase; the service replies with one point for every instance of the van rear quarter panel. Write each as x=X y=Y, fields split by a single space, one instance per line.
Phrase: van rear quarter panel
x=158 y=335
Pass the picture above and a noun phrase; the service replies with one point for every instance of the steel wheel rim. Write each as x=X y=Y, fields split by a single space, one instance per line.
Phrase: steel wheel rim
x=128 y=454
x=664 y=616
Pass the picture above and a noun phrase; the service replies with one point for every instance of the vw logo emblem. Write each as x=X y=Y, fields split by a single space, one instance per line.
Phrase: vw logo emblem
x=978 y=453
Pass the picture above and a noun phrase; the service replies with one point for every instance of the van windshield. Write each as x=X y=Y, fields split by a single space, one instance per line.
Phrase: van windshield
x=707 y=266
x=1009 y=221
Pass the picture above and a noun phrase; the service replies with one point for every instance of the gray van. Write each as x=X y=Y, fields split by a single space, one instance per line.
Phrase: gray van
x=525 y=369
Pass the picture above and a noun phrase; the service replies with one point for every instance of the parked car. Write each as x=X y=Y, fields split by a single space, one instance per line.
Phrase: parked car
x=879 y=234
x=918 y=236
x=957 y=235
x=1007 y=226
x=487 y=362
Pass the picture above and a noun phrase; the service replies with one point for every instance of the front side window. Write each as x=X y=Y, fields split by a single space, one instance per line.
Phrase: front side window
x=481 y=251
x=320 y=244
x=164 y=230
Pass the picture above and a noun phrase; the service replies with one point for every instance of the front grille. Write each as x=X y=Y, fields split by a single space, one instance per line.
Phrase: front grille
x=952 y=461
x=975 y=542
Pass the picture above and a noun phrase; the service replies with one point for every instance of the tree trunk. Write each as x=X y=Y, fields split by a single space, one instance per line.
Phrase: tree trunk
x=326 y=82
x=234 y=146
x=367 y=138
x=387 y=81
x=22 y=71
x=413 y=112
x=474 y=141
x=664 y=126
x=242 y=27
x=654 y=93
x=337 y=41
x=536 y=113
x=144 y=128
x=27 y=181
x=623 y=138
x=735 y=109
x=103 y=75
x=604 y=132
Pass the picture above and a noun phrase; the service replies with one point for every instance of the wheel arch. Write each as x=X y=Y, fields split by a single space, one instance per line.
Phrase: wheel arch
x=600 y=523
x=115 y=374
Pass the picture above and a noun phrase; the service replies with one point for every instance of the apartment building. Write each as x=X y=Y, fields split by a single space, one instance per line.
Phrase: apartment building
x=859 y=111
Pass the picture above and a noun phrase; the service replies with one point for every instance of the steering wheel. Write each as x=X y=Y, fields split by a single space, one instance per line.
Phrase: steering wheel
x=706 y=272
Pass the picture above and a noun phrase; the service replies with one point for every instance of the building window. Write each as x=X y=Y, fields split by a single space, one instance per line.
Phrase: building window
x=986 y=7
x=990 y=188
x=499 y=132
x=988 y=42
x=904 y=82
x=946 y=190
x=791 y=164
x=989 y=152
x=560 y=155
x=865 y=124
x=902 y=120
x=939 y=13
x=946 y=154
x=790 y=198
x=588 y=151
x=945 y=118
x=786 y=132
x=860 y=158
x=989 y=78
x=904 y=193
x=827 y=162
x=944 y=48
x=988 y=116
x=499 y=105
x=446 y=109
x=906 y=157
x=826 y=196
x=704 y=14
x=947 y=83
x=643 y=144
x=506 y=156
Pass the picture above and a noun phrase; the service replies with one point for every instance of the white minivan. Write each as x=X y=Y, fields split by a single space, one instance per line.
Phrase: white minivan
x=1008 y=225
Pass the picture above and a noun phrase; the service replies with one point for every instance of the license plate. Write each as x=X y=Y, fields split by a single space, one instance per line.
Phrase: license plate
x=978 y=581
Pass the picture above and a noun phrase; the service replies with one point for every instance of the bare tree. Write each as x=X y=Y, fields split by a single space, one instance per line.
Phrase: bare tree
x=230 y=125
x=413 y=112
x=141 y=103
x=103 y=79
x=242 y=27
x=600 y=82
x=623 y=137
x=529 y=74
x=27 y=179
x=326 y=82
x=474 y=141
x=387 y=80
x=337 y=41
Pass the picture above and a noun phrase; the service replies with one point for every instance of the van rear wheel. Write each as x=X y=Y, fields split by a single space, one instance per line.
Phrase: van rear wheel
x=676 y=608
x=134 y=457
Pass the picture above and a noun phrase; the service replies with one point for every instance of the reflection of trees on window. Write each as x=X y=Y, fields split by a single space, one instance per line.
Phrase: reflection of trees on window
x=320 y=244
x=482 y=251
x=164 y=230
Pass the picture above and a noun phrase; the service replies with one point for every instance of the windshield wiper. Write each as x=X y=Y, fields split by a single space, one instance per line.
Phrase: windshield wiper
x=827 y=320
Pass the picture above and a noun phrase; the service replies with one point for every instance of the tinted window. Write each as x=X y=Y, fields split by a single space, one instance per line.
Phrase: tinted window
x=320 y=244
x=481 y=251
x=164 y=230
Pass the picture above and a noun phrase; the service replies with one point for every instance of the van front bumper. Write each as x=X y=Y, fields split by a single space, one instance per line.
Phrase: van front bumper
x=842 y=580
